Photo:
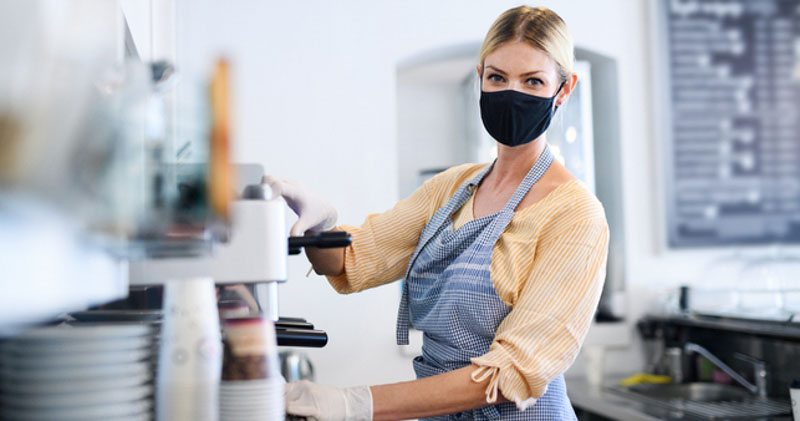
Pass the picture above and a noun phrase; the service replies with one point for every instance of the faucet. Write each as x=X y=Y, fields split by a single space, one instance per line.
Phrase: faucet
x=759 y=367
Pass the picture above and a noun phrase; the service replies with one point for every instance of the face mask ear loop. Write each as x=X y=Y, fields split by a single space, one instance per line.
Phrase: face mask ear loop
x=558 y=92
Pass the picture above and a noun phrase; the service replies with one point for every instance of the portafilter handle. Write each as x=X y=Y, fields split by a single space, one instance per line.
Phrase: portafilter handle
x=323 y=240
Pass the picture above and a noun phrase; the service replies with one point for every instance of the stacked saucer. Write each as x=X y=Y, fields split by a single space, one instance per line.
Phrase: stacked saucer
x=89 y=371
x=246 y=400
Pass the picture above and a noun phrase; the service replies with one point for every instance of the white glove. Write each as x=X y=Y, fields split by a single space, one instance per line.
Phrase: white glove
x=314 y=213
x=326 y=403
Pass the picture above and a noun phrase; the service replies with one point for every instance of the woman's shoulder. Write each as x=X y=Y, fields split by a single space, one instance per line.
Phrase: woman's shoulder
x=578 y=202
x=566 y=208
x=569 y=204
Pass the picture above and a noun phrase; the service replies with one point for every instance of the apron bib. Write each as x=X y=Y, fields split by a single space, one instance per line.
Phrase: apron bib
x=449 y=295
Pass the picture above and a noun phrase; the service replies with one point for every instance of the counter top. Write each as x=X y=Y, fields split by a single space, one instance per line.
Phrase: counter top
x=598 y=399
x=773 y=328
x=601 y=401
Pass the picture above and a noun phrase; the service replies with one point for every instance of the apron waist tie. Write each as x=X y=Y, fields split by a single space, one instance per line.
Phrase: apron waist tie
x=402 y=317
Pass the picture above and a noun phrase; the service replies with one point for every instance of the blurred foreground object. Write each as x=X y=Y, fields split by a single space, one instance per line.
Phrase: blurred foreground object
x=85 y=180
x=220 y=176
x=61 y=96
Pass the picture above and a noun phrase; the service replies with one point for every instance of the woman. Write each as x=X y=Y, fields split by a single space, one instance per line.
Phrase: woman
x=503 y=263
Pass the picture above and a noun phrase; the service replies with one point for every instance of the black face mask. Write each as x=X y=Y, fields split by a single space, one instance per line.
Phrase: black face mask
x=514 y=118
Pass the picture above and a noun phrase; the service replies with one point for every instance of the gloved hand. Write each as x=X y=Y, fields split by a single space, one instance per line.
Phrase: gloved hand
x=326 y=403
x=314 y=213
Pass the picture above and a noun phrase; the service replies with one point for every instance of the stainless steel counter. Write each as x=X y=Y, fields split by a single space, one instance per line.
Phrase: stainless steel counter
x=601 y=401
x=598 y=400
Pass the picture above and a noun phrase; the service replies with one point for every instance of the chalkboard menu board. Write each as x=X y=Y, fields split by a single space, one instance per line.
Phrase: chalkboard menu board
x=733 y=159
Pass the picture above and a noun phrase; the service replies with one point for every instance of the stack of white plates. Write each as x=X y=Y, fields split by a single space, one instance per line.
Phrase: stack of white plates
x=246 y=400
x=79 y=372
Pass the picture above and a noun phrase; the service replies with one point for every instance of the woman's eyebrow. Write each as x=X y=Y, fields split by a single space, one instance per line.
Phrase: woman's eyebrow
x=533 y=72
x=495 y=69
x=523 y=75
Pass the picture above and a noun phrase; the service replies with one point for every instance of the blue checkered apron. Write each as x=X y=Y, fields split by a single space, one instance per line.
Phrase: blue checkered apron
x=448 y=294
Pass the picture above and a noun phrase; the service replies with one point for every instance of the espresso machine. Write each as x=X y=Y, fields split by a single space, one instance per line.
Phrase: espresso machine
x=250 y=251
x=253 y=251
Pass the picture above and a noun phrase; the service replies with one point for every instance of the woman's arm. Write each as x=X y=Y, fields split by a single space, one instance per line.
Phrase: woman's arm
x=328 y=262
x=446 y=393
x=454 y=391
x=384 y=243
x=381 y=246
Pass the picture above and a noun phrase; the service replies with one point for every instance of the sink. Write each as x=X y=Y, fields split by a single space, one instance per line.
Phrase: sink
x=706 y=401
x=706 y=392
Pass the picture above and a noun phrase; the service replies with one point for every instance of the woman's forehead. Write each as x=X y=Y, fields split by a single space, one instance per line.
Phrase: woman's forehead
x=519 y=58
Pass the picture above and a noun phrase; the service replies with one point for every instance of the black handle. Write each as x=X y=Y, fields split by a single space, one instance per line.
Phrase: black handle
x=323 y=240
x=293 y=323
x=301 y=337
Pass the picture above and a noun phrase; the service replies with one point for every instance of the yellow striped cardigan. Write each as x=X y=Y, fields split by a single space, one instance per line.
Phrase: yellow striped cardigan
x=548 y=266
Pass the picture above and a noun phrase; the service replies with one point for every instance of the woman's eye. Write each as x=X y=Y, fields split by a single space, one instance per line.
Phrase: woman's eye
x=534 y=81
x=495 y=78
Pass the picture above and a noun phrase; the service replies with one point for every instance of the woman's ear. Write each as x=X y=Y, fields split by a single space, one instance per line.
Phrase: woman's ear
x=569 y=85
x=478 y=69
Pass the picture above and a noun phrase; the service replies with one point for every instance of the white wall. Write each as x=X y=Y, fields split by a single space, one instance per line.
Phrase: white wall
x=429 y=117
x=315 y=101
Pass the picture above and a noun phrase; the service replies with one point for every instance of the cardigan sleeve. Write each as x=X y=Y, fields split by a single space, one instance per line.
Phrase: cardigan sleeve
x=382 y=246
x=541 y=336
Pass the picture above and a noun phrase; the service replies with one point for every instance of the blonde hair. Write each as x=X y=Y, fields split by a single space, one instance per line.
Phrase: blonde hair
x=540 y=27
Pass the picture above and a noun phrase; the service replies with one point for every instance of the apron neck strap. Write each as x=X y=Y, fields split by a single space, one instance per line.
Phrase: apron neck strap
x=472 y=184
x=534 y=174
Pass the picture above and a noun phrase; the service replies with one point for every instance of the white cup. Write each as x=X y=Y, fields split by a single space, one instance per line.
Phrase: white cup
x=594 y=357
x=190 y=358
